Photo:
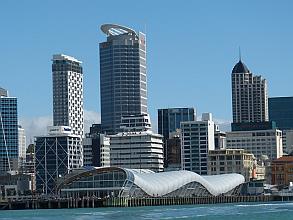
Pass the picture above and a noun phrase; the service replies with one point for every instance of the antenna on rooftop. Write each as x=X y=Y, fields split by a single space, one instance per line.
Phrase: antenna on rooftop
x=239 y=53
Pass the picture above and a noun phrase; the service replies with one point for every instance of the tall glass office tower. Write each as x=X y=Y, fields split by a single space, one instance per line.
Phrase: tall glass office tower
x=123 y=82
x=8 y=132
x=281 y=111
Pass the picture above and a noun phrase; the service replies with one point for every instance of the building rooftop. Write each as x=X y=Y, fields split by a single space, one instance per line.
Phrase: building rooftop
x=284 y=159
x=115 y=29
x=64 y=57
x=164 y=183
x=240 y=68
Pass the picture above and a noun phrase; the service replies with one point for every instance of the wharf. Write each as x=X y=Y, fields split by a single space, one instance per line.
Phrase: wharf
x=92 y=202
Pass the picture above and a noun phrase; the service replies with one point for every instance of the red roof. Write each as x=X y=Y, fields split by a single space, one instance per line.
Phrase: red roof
x=285 y=159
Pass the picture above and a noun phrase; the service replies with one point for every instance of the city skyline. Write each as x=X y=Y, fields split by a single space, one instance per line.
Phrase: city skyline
x=266 y=52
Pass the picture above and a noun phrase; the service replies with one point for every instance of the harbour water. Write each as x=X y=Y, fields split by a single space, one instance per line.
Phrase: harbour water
x=250 y=211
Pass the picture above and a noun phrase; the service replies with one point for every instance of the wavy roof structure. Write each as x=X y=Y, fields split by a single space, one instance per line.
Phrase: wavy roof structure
x=149 y=183
x=166 y=182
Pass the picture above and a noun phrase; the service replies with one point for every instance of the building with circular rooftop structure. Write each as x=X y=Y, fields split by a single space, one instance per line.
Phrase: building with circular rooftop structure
x=121 y=182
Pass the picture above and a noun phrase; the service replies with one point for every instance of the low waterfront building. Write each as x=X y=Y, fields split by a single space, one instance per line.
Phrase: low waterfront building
x=259 y=142
x=56 y=155
x=197 y=138
x=123 y=182
x=282 y=171
x=231 y=161
x=14 y=186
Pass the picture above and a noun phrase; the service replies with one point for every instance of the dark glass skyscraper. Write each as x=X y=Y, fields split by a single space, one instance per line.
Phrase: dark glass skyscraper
x=281 y=111
x=123 y=83
x=8 y=131
x=169 y=119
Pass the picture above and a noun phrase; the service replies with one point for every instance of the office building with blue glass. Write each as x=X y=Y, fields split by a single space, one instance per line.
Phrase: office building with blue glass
x=123 y=82
x=281 y=111
x=8 y=132
x=169 y=120
x=56 y=154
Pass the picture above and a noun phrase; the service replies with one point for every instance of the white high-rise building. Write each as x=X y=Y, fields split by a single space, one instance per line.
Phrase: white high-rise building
x=68 y=93
x=197 y=139
x=21 y=145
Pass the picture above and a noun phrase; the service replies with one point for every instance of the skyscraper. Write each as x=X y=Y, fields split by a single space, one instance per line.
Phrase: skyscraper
x=249 y=96
x=123 y=82
x=168 y=122
x=281 y=111
x=68 y=93
x=8 y=132
x=169 y=119
x=21 y=146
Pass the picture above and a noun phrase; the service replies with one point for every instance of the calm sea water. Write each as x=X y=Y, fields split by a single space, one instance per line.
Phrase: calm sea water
x=251 y=211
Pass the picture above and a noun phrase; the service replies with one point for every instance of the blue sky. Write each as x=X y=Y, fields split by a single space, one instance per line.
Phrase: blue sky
x=192 y=47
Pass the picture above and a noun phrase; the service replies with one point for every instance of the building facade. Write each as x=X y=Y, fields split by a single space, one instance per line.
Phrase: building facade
x=281 y=111
x=8 y=132
x=259 y=143
x=197 y=138
x=249 y=95
x=231 y=161
x=173 y=151
x=282 y=171
x=122 y=182
x=137 y=150
x=68 y=93
x=96 y=150
x=169 y=119
x=21 y=146
x=56 y=154
x=123 y=76
x=169 y=122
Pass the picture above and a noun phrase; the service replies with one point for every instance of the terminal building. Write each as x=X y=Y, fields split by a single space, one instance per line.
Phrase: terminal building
x=123 y=182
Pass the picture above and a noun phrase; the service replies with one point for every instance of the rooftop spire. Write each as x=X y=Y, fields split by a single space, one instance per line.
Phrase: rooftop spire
x=239 y=53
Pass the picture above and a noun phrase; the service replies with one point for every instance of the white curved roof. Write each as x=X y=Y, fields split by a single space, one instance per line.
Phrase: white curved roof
x=166 y=182
x=115 y=29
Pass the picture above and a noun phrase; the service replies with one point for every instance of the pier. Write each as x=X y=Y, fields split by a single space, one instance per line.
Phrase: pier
x=92 y=202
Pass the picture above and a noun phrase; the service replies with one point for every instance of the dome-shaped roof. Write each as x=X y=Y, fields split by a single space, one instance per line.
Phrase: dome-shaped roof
x=240 y=68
